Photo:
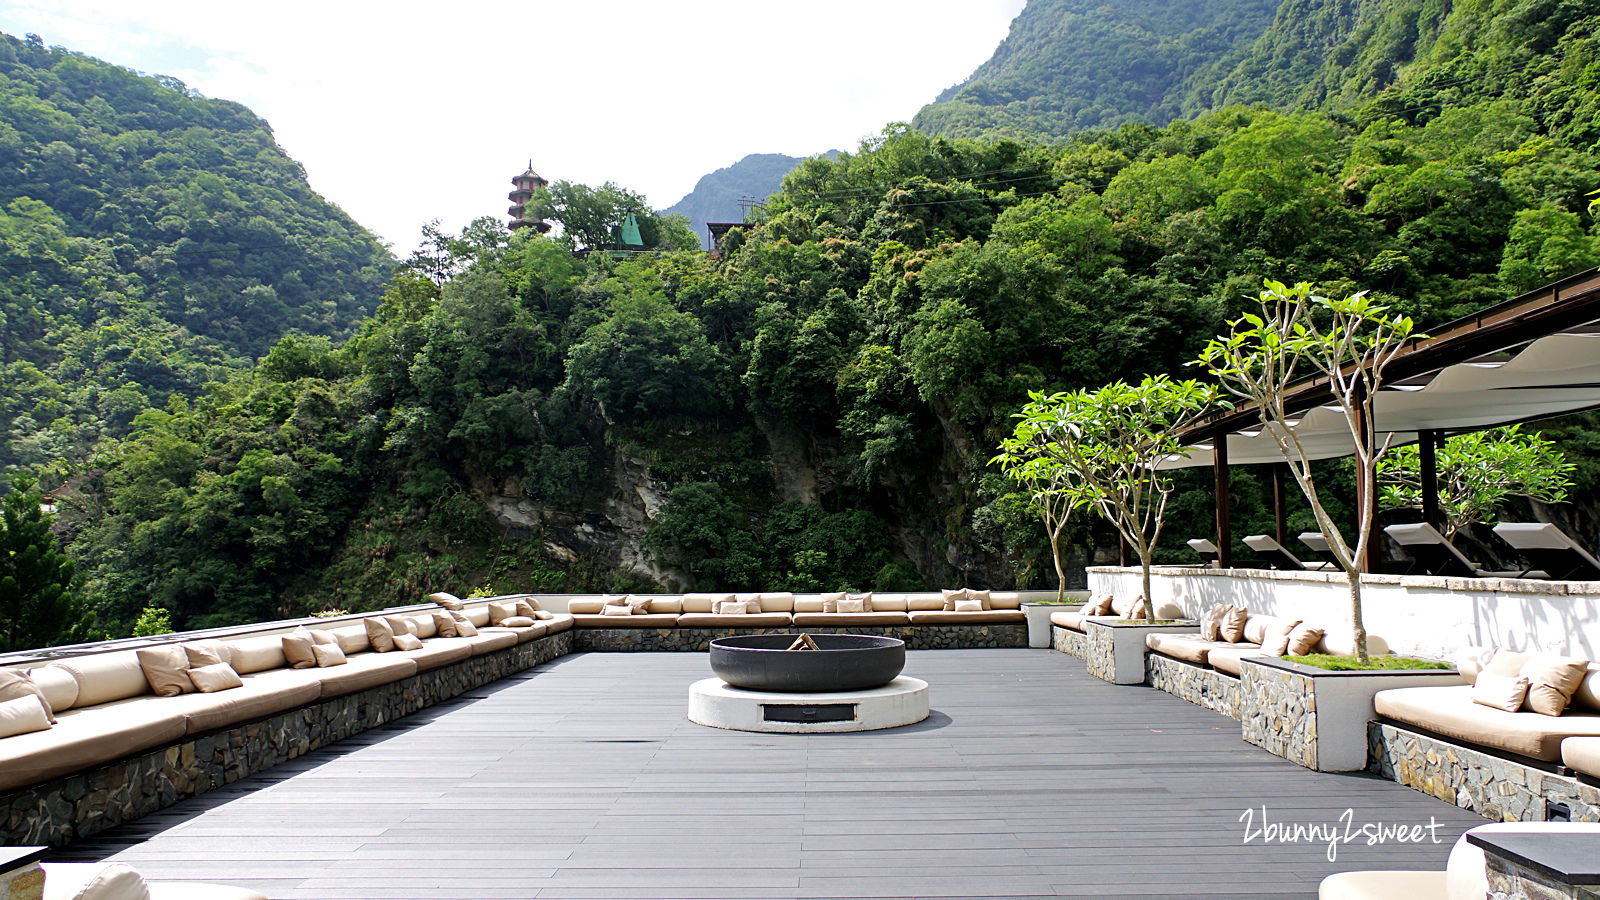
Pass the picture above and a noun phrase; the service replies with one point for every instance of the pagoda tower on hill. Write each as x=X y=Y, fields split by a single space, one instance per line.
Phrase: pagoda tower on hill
x=521 y=216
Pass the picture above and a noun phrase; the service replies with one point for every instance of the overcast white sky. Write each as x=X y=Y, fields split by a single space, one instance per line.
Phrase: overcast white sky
x=405 y=112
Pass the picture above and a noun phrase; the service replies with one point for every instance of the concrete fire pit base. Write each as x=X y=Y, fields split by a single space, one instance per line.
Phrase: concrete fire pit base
x=713 y=702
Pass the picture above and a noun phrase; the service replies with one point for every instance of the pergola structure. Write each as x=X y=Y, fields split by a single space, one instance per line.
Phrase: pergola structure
x=1529 y=358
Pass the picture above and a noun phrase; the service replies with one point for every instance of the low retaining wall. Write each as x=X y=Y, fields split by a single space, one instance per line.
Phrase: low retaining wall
x=1216 y=691
x=917 y=637
x=1072 y=643
x=1491 y=786
x=84 y=803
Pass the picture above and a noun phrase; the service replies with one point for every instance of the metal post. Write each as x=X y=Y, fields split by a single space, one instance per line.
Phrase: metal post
x=1219 y=465
x=1427 y=446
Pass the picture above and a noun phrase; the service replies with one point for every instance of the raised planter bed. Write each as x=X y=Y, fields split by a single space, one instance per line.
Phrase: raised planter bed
x=1115 y=650
x=1315 y=717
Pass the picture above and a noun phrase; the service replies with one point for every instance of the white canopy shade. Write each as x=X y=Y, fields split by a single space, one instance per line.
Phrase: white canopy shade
x=1550 y=376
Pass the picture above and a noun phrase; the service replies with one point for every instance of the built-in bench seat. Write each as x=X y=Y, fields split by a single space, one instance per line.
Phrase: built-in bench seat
x=1450 y=713
x=1227 y=656
x=106 y=708
x=1122 y=608
x=783 y=609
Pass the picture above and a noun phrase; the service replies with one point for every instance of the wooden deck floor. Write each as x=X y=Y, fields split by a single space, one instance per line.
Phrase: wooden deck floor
x=583 y=779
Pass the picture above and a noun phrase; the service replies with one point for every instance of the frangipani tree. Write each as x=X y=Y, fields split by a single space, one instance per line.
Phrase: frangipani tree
x=1054 y=490
x=1109 y=441
x=1349 y=341
x=1477 y=472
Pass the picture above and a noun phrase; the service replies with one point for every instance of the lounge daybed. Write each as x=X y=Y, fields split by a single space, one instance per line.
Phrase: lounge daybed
x=1453 y=714
x=1548 y=548
x=105 y=705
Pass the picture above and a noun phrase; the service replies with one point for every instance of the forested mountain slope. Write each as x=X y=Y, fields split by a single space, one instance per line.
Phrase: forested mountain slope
x=150 y=240
x=1069 y=65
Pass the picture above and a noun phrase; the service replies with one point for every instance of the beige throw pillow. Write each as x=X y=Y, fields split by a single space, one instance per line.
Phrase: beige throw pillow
x=1303 y=639
x=443 y=625
x=401 y=625
x=215 y=677
x=328 y=655
x=501 y=610
x=1506 y=662
x=1552 y=680
x=1505 y=692
x=464 y=626
x=1276 y=640
x=113 y=881
x=983 y=597
x=1211 y=622
x=407 y=642
x=15 y=685
x=732 y=607
x=1140 y=609
x=517 y=622
x=752 y=602
x=543 y=614
x=23 y=715
x=641 y=606
x=448 y=601
x=297 y=646
x=379 y=634
x=616 y=609
x=969 y=606
x=320 y=636
x=854 y=604
x=1101 y=607
x=1233 y=624
x=166 y=669
x=830 y=601
x=208 y=653
x=952 y=597
x=526 y=608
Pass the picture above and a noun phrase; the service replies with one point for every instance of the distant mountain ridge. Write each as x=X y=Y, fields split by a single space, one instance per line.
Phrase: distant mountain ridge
x=716 y=196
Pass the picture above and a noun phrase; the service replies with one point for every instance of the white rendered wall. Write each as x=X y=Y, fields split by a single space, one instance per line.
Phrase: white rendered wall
x=1416 y=614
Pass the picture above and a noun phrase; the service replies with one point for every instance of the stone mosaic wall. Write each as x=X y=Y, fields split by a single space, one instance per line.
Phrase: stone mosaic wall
x=1072 y=643
x=1216 y=691
x=1099 y=652
x=1511 y=881
x=84 y=803
x=1278 y=713
x=917 y=637
x=1495 y=788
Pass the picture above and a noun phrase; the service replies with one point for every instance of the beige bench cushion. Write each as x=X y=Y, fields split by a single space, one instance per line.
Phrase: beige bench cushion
x=748 y=620
x=486 y=641
x=1070 y=619
x=1187 y=647
x=524 y=633
x=104 y=677
x=1449 y=711
x=84 y=737
x=1226 y=658
x=263 y=694
x=364 y=671
x=871 y=618
x=1583 y=754
x=438 y=652
x=557 y=623
x=648 y=620
x=984 y=617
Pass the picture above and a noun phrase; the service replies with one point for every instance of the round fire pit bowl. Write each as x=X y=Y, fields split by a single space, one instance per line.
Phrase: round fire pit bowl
x=845 y=662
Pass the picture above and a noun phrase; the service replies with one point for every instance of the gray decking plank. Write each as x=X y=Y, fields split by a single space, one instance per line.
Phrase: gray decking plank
x=583 y=779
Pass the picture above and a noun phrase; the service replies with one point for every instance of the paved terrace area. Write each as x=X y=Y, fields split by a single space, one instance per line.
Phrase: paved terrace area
x=583 y=779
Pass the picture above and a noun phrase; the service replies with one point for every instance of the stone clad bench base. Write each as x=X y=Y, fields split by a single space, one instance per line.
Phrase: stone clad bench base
x=1072 y=643
x=917 y=637
x=65 y=809
x=1204 y=687
x=1494 y=787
